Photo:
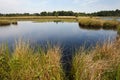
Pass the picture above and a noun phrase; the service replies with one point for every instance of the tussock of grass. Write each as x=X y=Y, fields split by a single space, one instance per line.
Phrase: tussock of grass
x=27 y=64
x=101 y=63
x=118 y=28
x=4 y=23
x=98 y=23
x=90 y=22
x=7 y=22
x=110 y=24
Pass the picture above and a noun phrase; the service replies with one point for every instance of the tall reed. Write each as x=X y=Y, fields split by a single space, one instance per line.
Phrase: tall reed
x=25 y=63
x=100 y=63
x=98 y=23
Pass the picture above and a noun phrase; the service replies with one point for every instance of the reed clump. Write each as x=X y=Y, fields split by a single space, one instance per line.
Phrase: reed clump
x=98 y=23
x=7 y=22
x=90 y=22
x=100 y=63
x=4 y=23
x=110 y=24
x=26 y=64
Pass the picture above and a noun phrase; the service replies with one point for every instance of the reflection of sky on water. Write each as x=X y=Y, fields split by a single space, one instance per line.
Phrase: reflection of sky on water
x=109 y=18
x=63 y=33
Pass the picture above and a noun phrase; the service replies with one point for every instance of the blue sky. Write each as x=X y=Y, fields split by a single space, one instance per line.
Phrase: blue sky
x=37 y=6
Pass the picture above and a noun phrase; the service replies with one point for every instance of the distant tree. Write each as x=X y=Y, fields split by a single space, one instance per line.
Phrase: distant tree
x=36 y=14
x=107 y=13
x=44 y=13
x=68 y=13
x=1 y=14
x=26 y=14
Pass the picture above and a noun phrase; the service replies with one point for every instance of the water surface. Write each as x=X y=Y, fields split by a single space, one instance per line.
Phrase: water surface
x=66 y=34
x=70 y=36
x=111 y=18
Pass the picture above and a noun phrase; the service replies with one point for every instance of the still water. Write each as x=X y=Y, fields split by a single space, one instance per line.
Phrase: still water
x=69 y=35
x=111 y=18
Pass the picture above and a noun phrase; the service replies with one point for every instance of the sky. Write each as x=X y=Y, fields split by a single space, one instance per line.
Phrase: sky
x=37 y=6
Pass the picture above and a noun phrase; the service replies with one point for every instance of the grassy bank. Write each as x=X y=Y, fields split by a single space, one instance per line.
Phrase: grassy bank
x=101 y=63
x=98 y=23
x=25 y=63
x=42 y=18
x=89 y=22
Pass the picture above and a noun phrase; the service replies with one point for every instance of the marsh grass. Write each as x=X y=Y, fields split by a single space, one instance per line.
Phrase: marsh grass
x=27 y=64
x=54 y=20
x=7 y=22
x=4 y=23
x=98 y=23
x=41 y=18
x=100 y=63
x=110 y=24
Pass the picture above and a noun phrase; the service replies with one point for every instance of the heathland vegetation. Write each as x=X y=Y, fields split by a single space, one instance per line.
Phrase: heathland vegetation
x=27 y=63
x=7 y=22
x=100 y=63
x=24 y=62
x=98 y=23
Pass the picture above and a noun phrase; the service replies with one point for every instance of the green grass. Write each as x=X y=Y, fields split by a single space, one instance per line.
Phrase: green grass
x=7 y=22
x=54 y=20
x=100 y=63
x=24 y=63
x=42 y=18
x=4 y=23
x=98 y=23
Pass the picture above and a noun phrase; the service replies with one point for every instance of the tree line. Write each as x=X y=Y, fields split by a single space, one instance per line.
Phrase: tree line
x=67 y=13
x=107 y=13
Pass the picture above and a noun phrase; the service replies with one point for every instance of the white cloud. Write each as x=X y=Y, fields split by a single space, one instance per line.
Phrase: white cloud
x=32 y=6
x=88 y=2
x=20 y=5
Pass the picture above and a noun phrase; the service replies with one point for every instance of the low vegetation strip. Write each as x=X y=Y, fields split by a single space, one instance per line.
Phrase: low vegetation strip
x=25 y=63
x=98 y=23
x=7 y=22
x=39 y=17
x=2 y=23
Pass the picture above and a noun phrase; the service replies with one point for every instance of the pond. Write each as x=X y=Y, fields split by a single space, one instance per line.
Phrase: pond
x=68 y=35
